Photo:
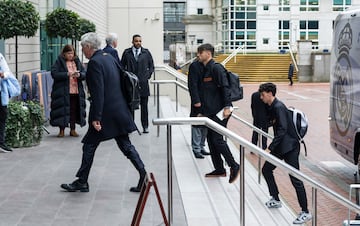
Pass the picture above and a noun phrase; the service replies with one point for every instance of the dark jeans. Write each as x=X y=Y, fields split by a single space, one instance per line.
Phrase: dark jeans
x=291 y=158
x=124 y=145
x=218 y=146
x=3 y=117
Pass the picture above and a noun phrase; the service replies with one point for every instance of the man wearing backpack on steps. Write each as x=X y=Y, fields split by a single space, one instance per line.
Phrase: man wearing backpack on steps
x=285 y=146
x=214 y=98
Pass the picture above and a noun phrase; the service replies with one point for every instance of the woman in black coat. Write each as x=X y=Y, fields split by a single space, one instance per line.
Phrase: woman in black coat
x=67 y=95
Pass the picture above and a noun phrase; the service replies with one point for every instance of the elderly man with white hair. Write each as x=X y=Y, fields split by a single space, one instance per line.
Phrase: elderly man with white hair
x=111 y=44
x=109 y=115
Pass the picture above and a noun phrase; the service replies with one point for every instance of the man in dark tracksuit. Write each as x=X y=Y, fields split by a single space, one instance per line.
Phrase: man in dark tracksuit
x=139 y=61
x=285 y=146
x=215 y=96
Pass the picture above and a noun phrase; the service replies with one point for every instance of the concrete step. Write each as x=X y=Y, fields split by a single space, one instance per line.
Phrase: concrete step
x=213 y=201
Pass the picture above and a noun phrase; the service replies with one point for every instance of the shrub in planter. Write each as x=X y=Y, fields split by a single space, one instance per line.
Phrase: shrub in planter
x=24 y=124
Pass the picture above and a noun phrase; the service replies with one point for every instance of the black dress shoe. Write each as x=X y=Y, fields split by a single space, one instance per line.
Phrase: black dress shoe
x=76 y=186
x=140 y=183
x=216 y=173
x=5 y=148
x=203 y=152
x=198 y=155
x=146 y=130
x=234 y=173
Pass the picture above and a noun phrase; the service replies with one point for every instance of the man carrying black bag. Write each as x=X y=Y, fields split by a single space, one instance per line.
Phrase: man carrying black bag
x=109 y=115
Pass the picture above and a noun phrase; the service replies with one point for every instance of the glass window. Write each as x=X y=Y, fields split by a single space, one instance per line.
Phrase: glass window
x=313 y=24
x=200 y=41
x=265 y=41
x=199 y=11
x=240 y=15
x=302 y=35
x=251 y=25
x=302 y=24
x=240 y=25
x=266 y=7
x=286 y=24
x=251 y=35
x=313 y=35
x=251 y=15
x=240 y=35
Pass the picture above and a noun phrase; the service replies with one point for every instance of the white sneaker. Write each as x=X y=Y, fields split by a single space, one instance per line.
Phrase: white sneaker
x=272 y=203
x=302 y=218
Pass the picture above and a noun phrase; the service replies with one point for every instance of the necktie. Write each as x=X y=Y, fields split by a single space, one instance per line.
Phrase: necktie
x=136 y=54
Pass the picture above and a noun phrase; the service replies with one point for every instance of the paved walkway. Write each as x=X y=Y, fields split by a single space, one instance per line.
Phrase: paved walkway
x=30 y=181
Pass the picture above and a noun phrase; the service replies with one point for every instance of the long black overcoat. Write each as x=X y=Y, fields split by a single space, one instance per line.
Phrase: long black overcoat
x=60 y=95
x=108 y=103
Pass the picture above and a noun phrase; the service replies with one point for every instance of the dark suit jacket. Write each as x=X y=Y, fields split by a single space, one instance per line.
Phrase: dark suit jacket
x=143 y=68
x=109 y=49
x=194 y=84
x=259 y=111
x=284 y=133
x=108 y=104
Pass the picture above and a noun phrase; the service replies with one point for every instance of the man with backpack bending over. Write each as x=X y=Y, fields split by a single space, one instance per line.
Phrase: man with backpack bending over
x=215 y=97
x=285 y=146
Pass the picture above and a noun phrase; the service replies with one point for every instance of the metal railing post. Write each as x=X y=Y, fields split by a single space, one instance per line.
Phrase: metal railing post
x=260 y=136
x=169 y=169
x=314 y=206
x=154 y=88
x=158 y=106
x=176 y=96
x=242 y=185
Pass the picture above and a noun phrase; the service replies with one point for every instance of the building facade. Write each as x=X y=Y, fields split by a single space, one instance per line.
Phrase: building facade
x=124 y=17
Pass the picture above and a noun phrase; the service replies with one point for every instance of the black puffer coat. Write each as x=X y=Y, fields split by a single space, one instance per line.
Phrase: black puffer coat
x=60 y=94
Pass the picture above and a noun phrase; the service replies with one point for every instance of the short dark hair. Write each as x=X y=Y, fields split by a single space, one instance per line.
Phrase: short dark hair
x=268 y=87
x=206 y=47
x=136 y=36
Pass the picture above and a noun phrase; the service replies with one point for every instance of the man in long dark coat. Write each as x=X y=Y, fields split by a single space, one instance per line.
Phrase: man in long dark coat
x=109 y=116
x=139 y=61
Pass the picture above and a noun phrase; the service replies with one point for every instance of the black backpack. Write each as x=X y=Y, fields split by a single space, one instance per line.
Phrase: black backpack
x=131 y=90
x=236 y=90
x=300 y=124
x=130 y=87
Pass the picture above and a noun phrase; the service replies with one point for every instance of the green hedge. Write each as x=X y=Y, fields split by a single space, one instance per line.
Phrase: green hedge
x=24 y=124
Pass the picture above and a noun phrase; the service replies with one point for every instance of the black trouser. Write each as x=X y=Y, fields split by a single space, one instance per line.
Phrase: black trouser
x=144 y=111
x=255 y=135
x=218 y=146
x=3 y=117
x=125 y=146
x=291 y=80
x=291 y=158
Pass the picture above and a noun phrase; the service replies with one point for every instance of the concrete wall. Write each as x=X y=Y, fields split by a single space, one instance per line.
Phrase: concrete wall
x=321 y=67
x=129 y=17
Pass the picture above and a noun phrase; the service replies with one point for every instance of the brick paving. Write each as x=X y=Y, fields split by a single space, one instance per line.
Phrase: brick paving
x=322 y=163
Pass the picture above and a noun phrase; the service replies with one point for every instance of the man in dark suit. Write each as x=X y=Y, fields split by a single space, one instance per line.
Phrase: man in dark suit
x=111 y=44
x=260 y=118
x=139 y=61
x=109 y=116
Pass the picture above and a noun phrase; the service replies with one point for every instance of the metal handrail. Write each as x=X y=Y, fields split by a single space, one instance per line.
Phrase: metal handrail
x=244 y=144
x=157 y=94
x=293 y=58
x=233 y=54
x=188 y=62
